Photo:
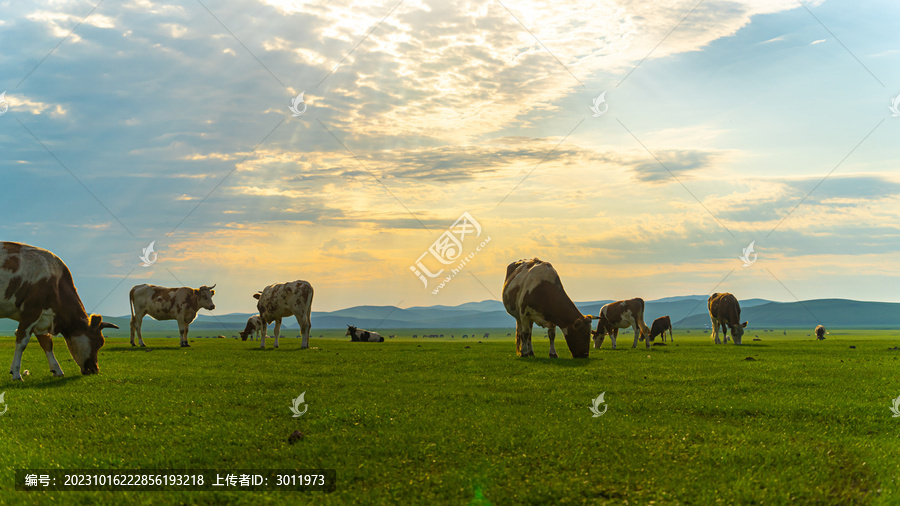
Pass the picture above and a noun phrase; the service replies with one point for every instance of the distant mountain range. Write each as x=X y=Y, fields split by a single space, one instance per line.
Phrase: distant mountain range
x=686 y=312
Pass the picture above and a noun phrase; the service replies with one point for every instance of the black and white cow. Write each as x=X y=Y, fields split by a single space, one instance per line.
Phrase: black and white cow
x=37 y=290
x=162 y=303
x=363 y=336
x=533 y=293
x=285 y=299
x=621 y=315
x=725 y=312
x=254 y=327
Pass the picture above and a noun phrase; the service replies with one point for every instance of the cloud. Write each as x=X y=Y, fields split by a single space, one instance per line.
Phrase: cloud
x=813 y=43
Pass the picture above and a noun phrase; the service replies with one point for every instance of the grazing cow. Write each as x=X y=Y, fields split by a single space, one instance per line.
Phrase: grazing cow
x=659 y=328
x=621 y=315
x=486 y=335
x=254 y=327
x=285 y=299
x=363 y=336
x=820 y=332
x=163 y=303
x=37 y=290
x=725 y=312
x=533 y=293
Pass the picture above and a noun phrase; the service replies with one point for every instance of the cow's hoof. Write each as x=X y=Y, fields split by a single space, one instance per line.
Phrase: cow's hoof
x=57 y=374
x=554 y=355
x=143 y=345
x=132 y=344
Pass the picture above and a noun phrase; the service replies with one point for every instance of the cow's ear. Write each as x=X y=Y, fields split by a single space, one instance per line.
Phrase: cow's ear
x=744 y=324
x=256 y=296
x=579 y=323
x=95 y=321
x=212 y=292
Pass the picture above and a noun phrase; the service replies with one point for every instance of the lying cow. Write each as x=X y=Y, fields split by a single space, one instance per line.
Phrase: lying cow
x=254 y=326
x=621 y=315
x=162 y=303
x=36 y=290
x=660 y=326
x=363 y=336
x=285 y=299
x=820 y=332
x=533 y=293
x=725 y=312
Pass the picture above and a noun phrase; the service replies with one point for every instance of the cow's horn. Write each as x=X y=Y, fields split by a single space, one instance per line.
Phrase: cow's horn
x=212 y=286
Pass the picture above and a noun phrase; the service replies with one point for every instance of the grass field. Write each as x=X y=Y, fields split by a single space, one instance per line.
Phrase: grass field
x=416 y=421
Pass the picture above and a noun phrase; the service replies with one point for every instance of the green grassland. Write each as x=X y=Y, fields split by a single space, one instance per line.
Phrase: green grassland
x=422 y=421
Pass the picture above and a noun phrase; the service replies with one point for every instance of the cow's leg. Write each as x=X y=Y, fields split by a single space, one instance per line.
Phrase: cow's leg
x=262 y=337
x=136 y=324
x=523 y=339
x=183 y=333
x=22 y=337
x=724 y=334
x=47 y=344
x=304 y=331
x=613 y=334
x=277 y=330
x=715 y=331
x=551 y=333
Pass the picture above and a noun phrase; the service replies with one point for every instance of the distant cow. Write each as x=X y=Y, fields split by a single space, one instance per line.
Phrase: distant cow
x=660 y=326
x=285 y=299
x=533 y=293
x=363 y=336
x=621 y=315
x=820 y=332
x=180 y=304
x=254 y=327
x=725 y=312
x=36 y=290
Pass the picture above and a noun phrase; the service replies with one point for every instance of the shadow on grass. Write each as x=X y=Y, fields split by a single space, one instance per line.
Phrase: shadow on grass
x=558 y=362
x=138 y=349
x=47 y=382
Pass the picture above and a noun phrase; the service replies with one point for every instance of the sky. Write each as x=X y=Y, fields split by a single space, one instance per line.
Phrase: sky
x=403 y=153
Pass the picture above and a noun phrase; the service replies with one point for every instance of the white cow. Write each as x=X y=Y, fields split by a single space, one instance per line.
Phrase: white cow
x=254 y=326
x=285 y=299
x=163 y=303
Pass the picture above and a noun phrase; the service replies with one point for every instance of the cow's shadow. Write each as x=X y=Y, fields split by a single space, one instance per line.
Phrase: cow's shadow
x=141 y=348
x=48 y=382
x=558 y=362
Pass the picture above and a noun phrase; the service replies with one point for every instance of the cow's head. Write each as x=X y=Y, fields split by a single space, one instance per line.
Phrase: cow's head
x=603 y=328
x=578 y=337
x=84 y=345
x=248 y=329
x=737 y=331
x=351 y=330
x=206 y=295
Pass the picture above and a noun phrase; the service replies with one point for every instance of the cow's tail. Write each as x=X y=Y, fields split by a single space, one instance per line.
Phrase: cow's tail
x=131 y=305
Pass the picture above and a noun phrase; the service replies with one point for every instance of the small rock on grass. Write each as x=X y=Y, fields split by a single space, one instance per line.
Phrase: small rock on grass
x=295 y=436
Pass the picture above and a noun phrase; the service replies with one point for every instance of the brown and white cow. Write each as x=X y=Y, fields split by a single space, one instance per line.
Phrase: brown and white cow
x=285 y=299
x=533 y=293
x=621 y=315
x=37 y=290
x=820 y=332
x=254 y=326
x=660 y=326
x=725 y=312
x=162 y=303
x=363 y=336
